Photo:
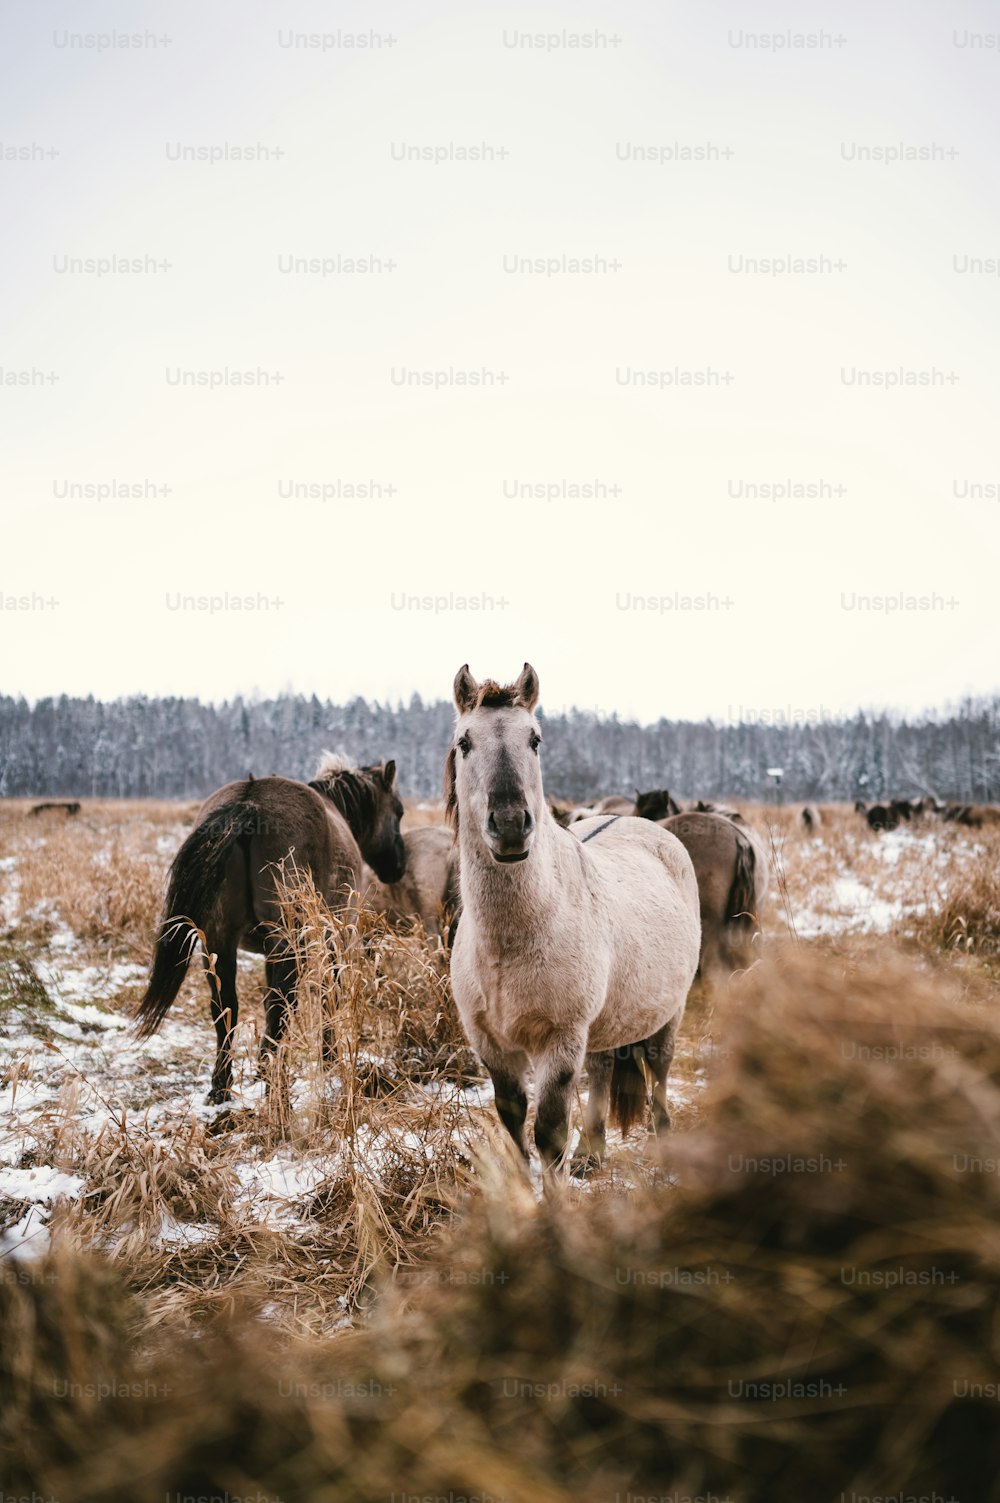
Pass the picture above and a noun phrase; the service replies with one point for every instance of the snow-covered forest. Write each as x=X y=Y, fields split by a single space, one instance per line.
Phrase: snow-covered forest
x=181 y=748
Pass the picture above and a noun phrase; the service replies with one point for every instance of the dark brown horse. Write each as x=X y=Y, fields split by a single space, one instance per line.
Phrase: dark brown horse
x=656 y=804
x=224 y=881
x=730 y=867
x=883 y=817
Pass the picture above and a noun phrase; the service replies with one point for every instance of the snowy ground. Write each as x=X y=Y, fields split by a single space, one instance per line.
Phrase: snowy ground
x=65 y=1030
x=867 y=885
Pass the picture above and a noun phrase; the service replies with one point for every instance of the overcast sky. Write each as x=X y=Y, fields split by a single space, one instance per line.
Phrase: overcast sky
x=868 y=374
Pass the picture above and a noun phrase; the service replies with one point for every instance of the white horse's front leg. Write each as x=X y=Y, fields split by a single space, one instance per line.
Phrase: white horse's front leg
x=556 y=1076
x=508 y=1071
x=593 y=1144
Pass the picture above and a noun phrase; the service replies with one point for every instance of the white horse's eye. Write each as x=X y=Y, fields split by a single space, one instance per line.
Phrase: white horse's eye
x=535 y=741
x=464 y=745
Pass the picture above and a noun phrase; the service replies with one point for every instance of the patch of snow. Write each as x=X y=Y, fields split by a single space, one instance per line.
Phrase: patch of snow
x=174 y=1233
x=281 y=1179
x=63 y=940
x=895 y=843
x=89 y=982
x=95 y=1016
x=41 y=1183
x=27 y=1238
x=873 y=914
x=854 y=906
x=10 y=902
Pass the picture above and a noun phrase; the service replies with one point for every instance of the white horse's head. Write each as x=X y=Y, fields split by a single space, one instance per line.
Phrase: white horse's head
x=493 y=775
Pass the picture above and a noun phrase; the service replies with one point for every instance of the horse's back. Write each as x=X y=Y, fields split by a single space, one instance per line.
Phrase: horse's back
x=286 y=825
x=634 y=843
x=647 y=892
x=712 y=842
x=730 y=864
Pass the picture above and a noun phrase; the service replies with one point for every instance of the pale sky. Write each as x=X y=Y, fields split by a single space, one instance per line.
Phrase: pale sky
x=796 y=142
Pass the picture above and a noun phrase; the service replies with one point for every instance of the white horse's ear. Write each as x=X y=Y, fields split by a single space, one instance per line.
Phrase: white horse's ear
x=466 y=689
x=527 y=687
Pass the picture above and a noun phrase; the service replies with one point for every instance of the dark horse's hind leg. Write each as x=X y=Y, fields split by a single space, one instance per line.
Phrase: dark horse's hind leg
x=593 y=1143
x=281 y=977
x=225 y=1010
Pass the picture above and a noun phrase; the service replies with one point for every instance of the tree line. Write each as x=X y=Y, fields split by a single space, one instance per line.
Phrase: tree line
x=143 y=747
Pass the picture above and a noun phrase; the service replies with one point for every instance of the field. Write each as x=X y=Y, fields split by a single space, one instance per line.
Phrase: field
x=343 y=1290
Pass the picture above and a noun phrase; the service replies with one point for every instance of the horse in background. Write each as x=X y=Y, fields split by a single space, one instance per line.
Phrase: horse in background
x=972 y=816
x=428 y=889
x=731 y=868
x=615 y=803
x=656 y=804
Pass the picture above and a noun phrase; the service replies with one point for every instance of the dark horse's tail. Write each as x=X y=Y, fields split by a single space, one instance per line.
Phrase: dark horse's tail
x=629 y=1093
x=195 y=878
x=741 y=918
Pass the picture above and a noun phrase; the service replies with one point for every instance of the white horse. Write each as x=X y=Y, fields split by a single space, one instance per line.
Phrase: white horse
x=570 y=944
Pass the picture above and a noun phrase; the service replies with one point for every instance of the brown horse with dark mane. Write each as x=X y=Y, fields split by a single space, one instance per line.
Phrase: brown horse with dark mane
x=224 y=882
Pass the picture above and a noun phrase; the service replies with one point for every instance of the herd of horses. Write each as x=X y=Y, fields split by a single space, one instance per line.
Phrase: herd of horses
x=574 y=933
x=897 y=811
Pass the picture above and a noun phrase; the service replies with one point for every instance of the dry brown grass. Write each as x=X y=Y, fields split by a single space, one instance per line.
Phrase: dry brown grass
x=824 y=1235
x=963 y=904
x=103 y=870
x=339 y=1291
x=100 y=871
x=370 y=1149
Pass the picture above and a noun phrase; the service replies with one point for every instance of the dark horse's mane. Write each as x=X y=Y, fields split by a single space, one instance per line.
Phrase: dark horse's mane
x=354 y=791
